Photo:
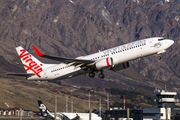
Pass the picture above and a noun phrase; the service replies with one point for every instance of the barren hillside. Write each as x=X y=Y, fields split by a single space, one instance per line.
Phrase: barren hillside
x=72 y=28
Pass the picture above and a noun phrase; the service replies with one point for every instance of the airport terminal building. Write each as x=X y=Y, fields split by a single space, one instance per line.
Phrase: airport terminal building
x=166 y=109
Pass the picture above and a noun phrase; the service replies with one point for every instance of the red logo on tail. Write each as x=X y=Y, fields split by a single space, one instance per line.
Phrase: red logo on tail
x=32 y=64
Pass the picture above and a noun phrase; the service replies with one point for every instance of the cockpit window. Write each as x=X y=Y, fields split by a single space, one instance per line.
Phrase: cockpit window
x=161 y=39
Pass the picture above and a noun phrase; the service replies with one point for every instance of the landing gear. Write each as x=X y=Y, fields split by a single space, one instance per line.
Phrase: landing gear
x=101 y=75
x=91 y=74
x=159 y=57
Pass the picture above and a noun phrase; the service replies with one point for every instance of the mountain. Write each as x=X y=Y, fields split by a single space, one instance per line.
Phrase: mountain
x=72 y=28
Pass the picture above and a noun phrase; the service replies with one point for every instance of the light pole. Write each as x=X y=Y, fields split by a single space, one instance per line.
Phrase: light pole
x=107 y=101
x=66 y=104
x=55 y=108
x=100 y=107
x=89 y=101
x=71 y=105
x=89 y=107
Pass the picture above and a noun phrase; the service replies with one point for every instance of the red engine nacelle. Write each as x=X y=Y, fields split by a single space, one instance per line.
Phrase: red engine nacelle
x=121 y=66
x=104 y=63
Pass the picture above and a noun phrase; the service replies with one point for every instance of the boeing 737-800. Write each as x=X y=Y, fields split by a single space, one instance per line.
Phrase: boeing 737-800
x=114 y=59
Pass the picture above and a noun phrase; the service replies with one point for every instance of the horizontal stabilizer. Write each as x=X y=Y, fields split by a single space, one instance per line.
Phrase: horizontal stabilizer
x=22 y=74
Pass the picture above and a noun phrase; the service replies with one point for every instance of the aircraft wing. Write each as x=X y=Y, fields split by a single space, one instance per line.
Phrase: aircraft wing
x=22 y=74
x=74 y=61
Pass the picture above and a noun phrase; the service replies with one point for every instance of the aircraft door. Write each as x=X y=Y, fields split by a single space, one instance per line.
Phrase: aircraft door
x=151 y=46
x=45 y=74
x=151 y=43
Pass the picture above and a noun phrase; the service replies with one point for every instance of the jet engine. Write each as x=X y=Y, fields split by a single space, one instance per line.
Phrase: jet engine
x=104 y=63
x=121 y=66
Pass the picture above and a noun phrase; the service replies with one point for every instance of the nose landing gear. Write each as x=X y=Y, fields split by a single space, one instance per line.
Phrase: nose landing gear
x=159 y=57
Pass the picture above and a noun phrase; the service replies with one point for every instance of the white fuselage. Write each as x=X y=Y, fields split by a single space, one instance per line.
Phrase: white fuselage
x=120 y=54
x=83 y=116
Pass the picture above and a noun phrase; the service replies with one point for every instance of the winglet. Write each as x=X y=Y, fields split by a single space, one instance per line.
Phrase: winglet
x=38 y=52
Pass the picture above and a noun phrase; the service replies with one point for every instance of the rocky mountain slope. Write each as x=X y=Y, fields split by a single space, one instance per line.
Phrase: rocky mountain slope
x=72 y=28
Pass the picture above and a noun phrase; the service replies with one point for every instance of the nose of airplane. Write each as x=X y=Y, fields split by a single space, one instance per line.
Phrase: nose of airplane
x=170 y=42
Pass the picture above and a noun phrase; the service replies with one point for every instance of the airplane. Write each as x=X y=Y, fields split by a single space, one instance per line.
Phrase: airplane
x=65 y=116
x=114 y=59
x=59 y=116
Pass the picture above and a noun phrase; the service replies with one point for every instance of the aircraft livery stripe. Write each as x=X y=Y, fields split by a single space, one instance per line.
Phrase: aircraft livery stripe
x=107 y=60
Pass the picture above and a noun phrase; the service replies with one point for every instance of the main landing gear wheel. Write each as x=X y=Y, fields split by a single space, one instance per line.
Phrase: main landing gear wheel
x=91 y=74
x=159 y=57
x=101 y=75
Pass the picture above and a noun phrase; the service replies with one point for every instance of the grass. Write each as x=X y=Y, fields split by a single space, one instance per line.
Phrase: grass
x=24 y=94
